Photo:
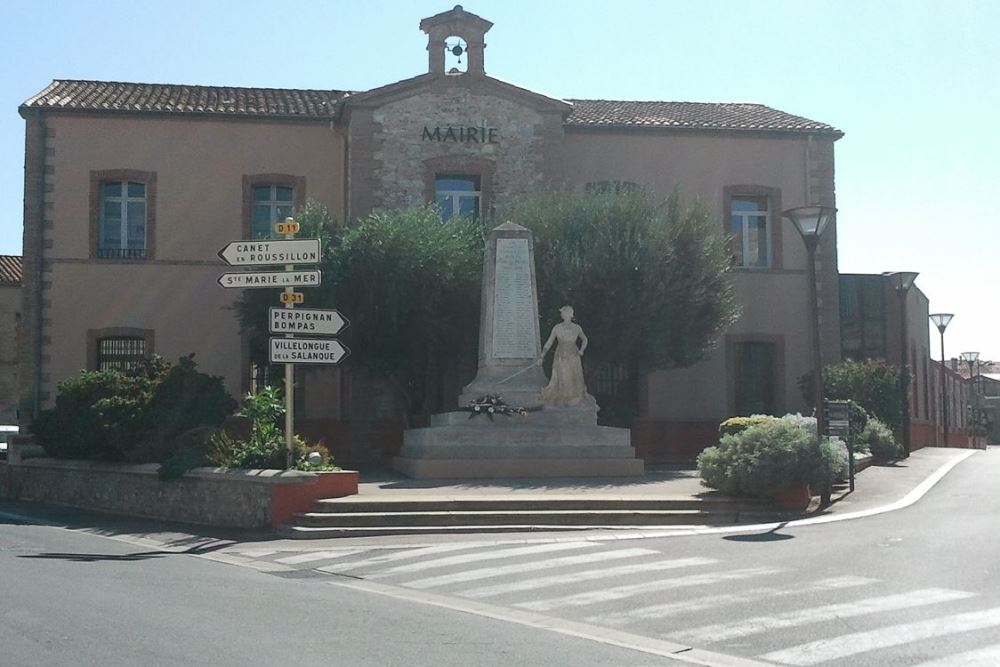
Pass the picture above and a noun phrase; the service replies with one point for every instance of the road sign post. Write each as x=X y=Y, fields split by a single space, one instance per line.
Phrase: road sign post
x=288 y=350
x=271 y=279
x=312 y=321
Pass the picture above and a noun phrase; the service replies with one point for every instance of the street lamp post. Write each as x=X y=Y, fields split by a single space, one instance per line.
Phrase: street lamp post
x=941 y=321
x=971 y=358
x=810 y=221
x=902 y=281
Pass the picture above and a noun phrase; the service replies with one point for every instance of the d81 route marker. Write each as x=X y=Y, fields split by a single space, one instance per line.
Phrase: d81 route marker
x=306 y=321
x=310 y=278
x=293 y=297
x=307 y=351
x=265 y=252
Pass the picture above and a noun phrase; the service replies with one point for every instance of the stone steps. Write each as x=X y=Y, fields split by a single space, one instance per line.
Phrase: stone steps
x=344 y=518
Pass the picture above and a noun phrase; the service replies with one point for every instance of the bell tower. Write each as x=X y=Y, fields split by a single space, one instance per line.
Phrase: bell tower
x=455 y=42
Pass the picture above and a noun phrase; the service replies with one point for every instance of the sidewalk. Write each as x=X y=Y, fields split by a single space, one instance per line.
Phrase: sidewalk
x=876 y=487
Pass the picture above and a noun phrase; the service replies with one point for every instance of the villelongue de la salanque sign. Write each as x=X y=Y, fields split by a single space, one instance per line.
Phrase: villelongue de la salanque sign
x=463 y=134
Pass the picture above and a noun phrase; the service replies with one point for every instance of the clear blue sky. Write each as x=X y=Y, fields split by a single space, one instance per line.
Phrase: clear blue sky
x=913 y=84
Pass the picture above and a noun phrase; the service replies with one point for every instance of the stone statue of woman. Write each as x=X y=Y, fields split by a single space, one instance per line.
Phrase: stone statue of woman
x=566 y=387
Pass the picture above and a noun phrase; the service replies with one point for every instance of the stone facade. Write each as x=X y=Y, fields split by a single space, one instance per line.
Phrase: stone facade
x=401 y=137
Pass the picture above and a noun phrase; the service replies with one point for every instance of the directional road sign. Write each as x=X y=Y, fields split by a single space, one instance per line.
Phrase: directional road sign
x=271 y=279
x=264 y=252
x=307 y=351
x=310 y=321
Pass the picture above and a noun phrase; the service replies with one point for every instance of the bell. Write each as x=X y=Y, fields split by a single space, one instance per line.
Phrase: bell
x=456 y=50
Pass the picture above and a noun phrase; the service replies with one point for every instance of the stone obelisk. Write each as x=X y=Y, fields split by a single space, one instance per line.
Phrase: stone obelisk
x=509 y=344
x=548 y=442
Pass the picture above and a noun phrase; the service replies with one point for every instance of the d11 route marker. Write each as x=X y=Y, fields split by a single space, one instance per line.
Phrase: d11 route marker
x=265 y=252
x=306 y=321
x=310 y=278
x=307 y=351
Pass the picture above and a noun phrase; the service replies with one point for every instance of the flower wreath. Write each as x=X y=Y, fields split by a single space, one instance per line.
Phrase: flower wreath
x=492 y=404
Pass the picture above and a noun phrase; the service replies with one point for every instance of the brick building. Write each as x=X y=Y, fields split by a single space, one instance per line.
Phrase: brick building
x=131 y=188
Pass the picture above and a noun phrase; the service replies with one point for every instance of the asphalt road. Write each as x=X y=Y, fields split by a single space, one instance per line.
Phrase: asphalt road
x=911 y=587
x=75 y=599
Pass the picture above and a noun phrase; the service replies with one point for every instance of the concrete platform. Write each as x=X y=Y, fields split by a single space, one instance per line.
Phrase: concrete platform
x=455 y=446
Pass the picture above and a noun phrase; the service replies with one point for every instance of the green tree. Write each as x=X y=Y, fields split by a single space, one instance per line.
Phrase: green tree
x=650 y=280
x=409 y=285
x=872 y=384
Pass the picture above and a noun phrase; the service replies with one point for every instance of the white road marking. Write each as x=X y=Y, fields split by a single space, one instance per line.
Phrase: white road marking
x=673 y=650
x=586 y=575
x=750 y=626
x=490 y=572
x=310 y=556
x=712 y=601
x=405 y=554
x=894 y=635
x=256 y=553
x=621 y=592
x=481 y=556
x=984 y=657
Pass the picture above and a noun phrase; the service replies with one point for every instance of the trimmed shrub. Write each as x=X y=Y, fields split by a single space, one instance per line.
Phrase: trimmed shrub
x=878 y=439
x=135 y=416
x=98 y=415
x=769 y=456
x=735 y=425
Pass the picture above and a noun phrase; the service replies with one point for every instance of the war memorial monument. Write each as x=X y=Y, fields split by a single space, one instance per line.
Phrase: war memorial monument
x=556 y=435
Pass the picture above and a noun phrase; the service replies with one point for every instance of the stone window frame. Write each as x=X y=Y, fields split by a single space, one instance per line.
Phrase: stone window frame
x=774 y=221
x=464 y=165
x=251 y=181
x=100 y=176
x=94 y=337
x=780 y=353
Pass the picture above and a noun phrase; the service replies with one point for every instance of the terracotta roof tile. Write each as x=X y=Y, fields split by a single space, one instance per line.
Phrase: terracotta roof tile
x=10 y=270
x=110 y=96
x=120 y=97
x=690 y=115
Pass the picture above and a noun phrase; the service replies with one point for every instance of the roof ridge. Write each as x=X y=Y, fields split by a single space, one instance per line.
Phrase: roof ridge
x=56 y=82
x=604 y=99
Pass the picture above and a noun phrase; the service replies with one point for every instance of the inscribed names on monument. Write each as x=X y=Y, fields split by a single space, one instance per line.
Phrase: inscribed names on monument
x=514 y=334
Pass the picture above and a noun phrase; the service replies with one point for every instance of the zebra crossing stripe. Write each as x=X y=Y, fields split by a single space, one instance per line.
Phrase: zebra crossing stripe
x=480 y=556
x=894 y=635
x=311 y=556
x=257 y=553
x=983 y=657
x=490 y=572
x=621 y=592
x=586 y=575
x=658 y=611
x=751 y=626
x=405 y=554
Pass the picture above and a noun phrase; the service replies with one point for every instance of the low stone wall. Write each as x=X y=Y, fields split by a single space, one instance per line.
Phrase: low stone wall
x=258 y=499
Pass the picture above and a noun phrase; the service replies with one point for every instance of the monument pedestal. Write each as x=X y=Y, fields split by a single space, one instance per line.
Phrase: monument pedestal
x=546 y=442
x=560 y=442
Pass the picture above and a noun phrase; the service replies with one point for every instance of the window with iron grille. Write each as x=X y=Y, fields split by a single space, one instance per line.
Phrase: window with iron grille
x=120 y=353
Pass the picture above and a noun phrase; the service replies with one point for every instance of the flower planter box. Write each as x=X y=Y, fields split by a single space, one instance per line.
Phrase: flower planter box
x=793 y=498
x=254 y=499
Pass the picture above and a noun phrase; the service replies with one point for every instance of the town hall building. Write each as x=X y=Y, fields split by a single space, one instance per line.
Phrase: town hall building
x=132 y=188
